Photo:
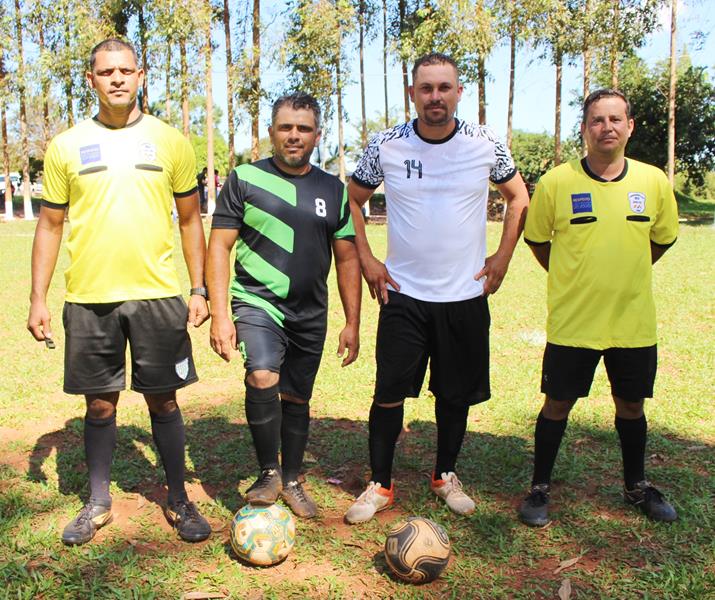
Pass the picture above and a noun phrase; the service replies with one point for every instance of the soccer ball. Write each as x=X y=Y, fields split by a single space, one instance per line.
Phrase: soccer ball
x=417 y=550
x=262 y=535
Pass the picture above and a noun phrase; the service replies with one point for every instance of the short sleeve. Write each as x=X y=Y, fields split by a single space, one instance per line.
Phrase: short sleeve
x=504 y=168
x=368 y=172
x=345 y=229
x=539 y=225
x=665 y=229
x=184 y=176
x=230 y=204
x=55 y=183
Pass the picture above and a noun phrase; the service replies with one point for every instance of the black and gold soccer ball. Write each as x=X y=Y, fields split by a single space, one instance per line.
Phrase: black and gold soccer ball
x=417 y=550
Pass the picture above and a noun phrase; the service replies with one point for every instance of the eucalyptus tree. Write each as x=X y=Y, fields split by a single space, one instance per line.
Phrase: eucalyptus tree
x=22 y=99
x=366 y=12
x=5 y=44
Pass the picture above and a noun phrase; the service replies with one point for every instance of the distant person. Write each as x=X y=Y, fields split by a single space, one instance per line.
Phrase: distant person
x=201 y=180
x=286 y=218
x=434 y=284
x=116 y=177
x=597 y=225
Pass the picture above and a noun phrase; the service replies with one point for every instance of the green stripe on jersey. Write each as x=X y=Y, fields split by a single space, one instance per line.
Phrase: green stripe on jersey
x=240 y=293
x=268 y=225
x=348 y=229
x=261 y=270
x=277 y=186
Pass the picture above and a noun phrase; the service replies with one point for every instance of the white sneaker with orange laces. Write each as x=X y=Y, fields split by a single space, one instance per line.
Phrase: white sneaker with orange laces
x=449 y=488
x=374 y=499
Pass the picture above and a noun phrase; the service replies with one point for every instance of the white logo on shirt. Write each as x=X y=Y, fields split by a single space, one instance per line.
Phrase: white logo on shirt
x=637 y=201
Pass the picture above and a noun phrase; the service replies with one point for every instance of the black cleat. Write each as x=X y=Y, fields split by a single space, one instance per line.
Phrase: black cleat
x=265 y=489
x=651 y=502
x=534 y=510
x=83 y=527
x=298 y=500
x=188 y=521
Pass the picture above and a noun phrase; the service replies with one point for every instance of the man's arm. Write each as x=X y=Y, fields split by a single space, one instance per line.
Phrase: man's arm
x=373 y=270
x=657 y=250
x=218 y=272
x=347 y=266
x=516 y=196
x=542 y=252
x=45 y=249
x=193 y=244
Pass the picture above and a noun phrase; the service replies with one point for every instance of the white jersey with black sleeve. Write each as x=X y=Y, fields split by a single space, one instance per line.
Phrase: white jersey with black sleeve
x=436 y=198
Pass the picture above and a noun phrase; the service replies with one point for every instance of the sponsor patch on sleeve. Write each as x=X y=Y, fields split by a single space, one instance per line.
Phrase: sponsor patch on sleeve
x=88 y=154
x=581 y=203
x=637 y=201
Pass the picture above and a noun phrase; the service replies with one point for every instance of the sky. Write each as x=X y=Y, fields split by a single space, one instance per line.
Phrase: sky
x=535 y=79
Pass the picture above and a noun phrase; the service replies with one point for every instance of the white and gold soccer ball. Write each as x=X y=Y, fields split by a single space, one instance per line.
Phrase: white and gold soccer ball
x=417 y=550
x=262 y=535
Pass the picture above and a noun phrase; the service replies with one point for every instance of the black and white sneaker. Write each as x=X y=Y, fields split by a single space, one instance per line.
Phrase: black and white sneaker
x=82 y=528
x=188 y=521
x=264 y=491
x=534 y=510
x=651 y=501
x=295 y=496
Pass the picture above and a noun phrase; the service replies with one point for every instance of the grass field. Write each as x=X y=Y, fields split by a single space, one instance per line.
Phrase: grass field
x=619 y=554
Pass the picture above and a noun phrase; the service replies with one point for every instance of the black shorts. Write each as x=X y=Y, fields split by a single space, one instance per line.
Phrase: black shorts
x=96 y=337
x=567 y=372
x=454 y=336
x=265 y=345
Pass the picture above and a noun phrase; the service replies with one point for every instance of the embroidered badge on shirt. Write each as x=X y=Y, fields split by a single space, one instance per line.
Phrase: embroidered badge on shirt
x=182 y=368
x=637 y=201
x=147 y=151
x=581 y=203
x=88 y=154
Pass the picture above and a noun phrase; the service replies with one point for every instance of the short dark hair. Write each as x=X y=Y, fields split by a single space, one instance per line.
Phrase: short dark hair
x=434 y=58
x=111 y=45
x=296 y=101
x=604 y=93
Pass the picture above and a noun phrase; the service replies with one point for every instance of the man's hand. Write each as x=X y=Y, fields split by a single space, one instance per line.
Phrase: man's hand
x=38 y=321
x=494 y=271
x=198 y=310
x=223 y=336
x=377 y=278
x=349 y=339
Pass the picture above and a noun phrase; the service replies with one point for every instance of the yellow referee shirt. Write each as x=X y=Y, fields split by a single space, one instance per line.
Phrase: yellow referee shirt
x=599 y=283
x=119 y=185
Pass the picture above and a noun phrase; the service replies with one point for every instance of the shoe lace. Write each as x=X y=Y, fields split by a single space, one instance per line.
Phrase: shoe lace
x=537 y=497
x=298 y=491
x=187 y=510
x=85 y=514
x=650 y=493
x=368 y=495
x=264 y=479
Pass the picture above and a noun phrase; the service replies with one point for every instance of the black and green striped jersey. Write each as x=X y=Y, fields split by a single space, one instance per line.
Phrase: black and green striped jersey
x=286 y=224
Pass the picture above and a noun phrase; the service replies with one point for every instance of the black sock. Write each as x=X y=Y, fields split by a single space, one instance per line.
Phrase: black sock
x=294 y=438
x=633 y=433
x=263 y=413
x=385 y=426
x=100 y=437
x=547 y=439
x=451 y=425
x=170 y=439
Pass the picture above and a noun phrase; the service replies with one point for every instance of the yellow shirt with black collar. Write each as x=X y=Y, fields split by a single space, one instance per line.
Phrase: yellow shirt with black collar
x=599 y=283
x=119 y=186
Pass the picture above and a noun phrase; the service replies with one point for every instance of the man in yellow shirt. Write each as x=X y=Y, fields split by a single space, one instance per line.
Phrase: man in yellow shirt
x=116 y=177
x=597 y=225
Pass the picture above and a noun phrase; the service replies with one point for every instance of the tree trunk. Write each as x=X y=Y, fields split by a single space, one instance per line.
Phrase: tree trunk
x=341 y=134
x=9 y=215
x=67 y=75
x=405 y=80
x=614 y=44
x=184 y=88
x=167 y=81
x=44 y=90
x=363 y=122
x=512 y=71
x=256 y=81
x=26 y=192
x=210 y=178
x=229 y=85
x=557 y=112
x=145 y=65
x=482 y=76
x=384 y=60
x=586 y=66
x=671 y=91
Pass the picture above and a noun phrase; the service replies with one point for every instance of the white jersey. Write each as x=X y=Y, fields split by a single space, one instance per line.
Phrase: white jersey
x=436 y=197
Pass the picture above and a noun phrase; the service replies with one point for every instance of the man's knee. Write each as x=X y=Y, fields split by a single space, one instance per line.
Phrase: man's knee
x=102 y=406
x=262 y=379
x=161 y=404
x=626 y=409
x=557 y=410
